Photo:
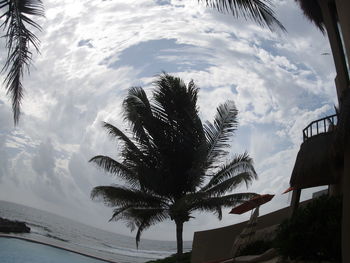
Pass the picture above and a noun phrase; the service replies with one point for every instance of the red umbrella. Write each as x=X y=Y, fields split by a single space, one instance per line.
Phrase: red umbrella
x=251 y=204
x=288 y=190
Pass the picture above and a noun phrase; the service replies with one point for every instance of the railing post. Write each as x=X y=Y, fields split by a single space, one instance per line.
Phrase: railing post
x=332 y=119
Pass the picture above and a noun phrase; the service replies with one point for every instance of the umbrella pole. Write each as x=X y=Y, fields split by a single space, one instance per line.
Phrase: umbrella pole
x=247 y=233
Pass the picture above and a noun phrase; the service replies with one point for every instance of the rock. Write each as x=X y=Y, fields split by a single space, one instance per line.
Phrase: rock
x=8 y=226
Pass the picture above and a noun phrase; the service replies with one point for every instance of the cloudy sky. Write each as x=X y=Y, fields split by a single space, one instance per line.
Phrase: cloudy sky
x=92 y=51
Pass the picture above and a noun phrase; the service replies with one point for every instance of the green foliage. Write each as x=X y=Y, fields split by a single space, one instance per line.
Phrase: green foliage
x=314 y=232
x=255 y=248
x=184 y=258
x=172 y=164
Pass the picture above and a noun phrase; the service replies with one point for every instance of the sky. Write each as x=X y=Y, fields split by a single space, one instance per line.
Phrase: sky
x=92 y=51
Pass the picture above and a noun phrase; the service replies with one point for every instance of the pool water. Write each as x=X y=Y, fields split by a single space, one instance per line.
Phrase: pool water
x=14 y=250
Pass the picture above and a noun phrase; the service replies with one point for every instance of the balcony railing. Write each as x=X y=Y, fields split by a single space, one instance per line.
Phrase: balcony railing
x=324 y=125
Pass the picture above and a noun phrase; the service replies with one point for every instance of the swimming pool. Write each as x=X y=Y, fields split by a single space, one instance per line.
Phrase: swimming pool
x=13 y=250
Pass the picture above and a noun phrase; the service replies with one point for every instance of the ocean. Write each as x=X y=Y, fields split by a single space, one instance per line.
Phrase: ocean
x=52 y=228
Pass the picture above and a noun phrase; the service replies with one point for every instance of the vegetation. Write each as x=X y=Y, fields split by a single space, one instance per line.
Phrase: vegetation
x=314 y=232
x=18 y=40
x=259 y=11
x=172 y=165
x=312 y=11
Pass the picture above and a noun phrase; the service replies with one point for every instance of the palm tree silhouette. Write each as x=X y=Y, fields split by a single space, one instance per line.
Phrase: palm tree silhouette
x=260 y=11
x=171 y=163
x=18 y=40
x=312 y=10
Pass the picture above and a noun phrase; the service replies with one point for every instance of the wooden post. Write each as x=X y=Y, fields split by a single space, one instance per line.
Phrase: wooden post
x=295 y=200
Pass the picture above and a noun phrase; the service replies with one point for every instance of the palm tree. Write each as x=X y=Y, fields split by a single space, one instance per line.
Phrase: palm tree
x=17 y=18
x=171 y=163
x=260 y=11
x=313 y=12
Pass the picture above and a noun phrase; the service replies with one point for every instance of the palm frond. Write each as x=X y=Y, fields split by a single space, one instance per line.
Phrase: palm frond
x=239 y=170
x=175 y=105
x=215 y=204
x=119 y=196
x=259 y=11
x=219 y=133
x=230 y=184
x=147 y=217
x=177 y=132
x=18 y=40
x=114 y=167
x=137 y=111
x=313 y=12
x=170 y=88
x=142 y=218
x=115 y=132
x=118 y=211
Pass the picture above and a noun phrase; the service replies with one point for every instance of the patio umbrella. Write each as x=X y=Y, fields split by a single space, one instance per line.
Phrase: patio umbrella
x=288 y=190
x=248 y=232
x=251 y=204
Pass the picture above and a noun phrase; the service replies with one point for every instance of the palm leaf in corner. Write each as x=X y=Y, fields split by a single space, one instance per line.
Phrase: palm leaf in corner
x=260 y=11
x=16 y=21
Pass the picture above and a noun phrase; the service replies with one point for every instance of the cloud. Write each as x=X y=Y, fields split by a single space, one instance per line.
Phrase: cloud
x=43 y=161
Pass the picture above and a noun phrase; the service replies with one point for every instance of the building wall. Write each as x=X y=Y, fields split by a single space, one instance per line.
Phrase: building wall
x=216 y=244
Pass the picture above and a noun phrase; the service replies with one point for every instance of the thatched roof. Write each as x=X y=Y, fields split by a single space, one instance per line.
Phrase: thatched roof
x=312 y=11
x=317 y=163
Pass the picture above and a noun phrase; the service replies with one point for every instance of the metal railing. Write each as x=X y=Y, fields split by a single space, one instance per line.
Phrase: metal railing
x=324 y=125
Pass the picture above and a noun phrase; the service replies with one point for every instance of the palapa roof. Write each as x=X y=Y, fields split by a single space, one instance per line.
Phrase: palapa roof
x=312 y=11
x=317 y=163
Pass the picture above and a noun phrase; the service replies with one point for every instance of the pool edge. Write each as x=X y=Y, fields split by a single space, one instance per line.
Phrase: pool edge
x=56 y=246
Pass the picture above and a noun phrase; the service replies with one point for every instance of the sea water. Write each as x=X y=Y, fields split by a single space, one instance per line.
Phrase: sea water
x=55 y=229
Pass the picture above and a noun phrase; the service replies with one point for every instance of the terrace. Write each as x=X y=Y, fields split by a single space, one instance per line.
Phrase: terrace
x=321 y=126
x=318 y=162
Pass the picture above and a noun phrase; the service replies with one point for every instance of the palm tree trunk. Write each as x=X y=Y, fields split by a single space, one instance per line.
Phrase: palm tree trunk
x=179 y=230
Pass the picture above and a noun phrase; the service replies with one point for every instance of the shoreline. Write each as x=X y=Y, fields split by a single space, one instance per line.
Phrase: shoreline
x=57 y=246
